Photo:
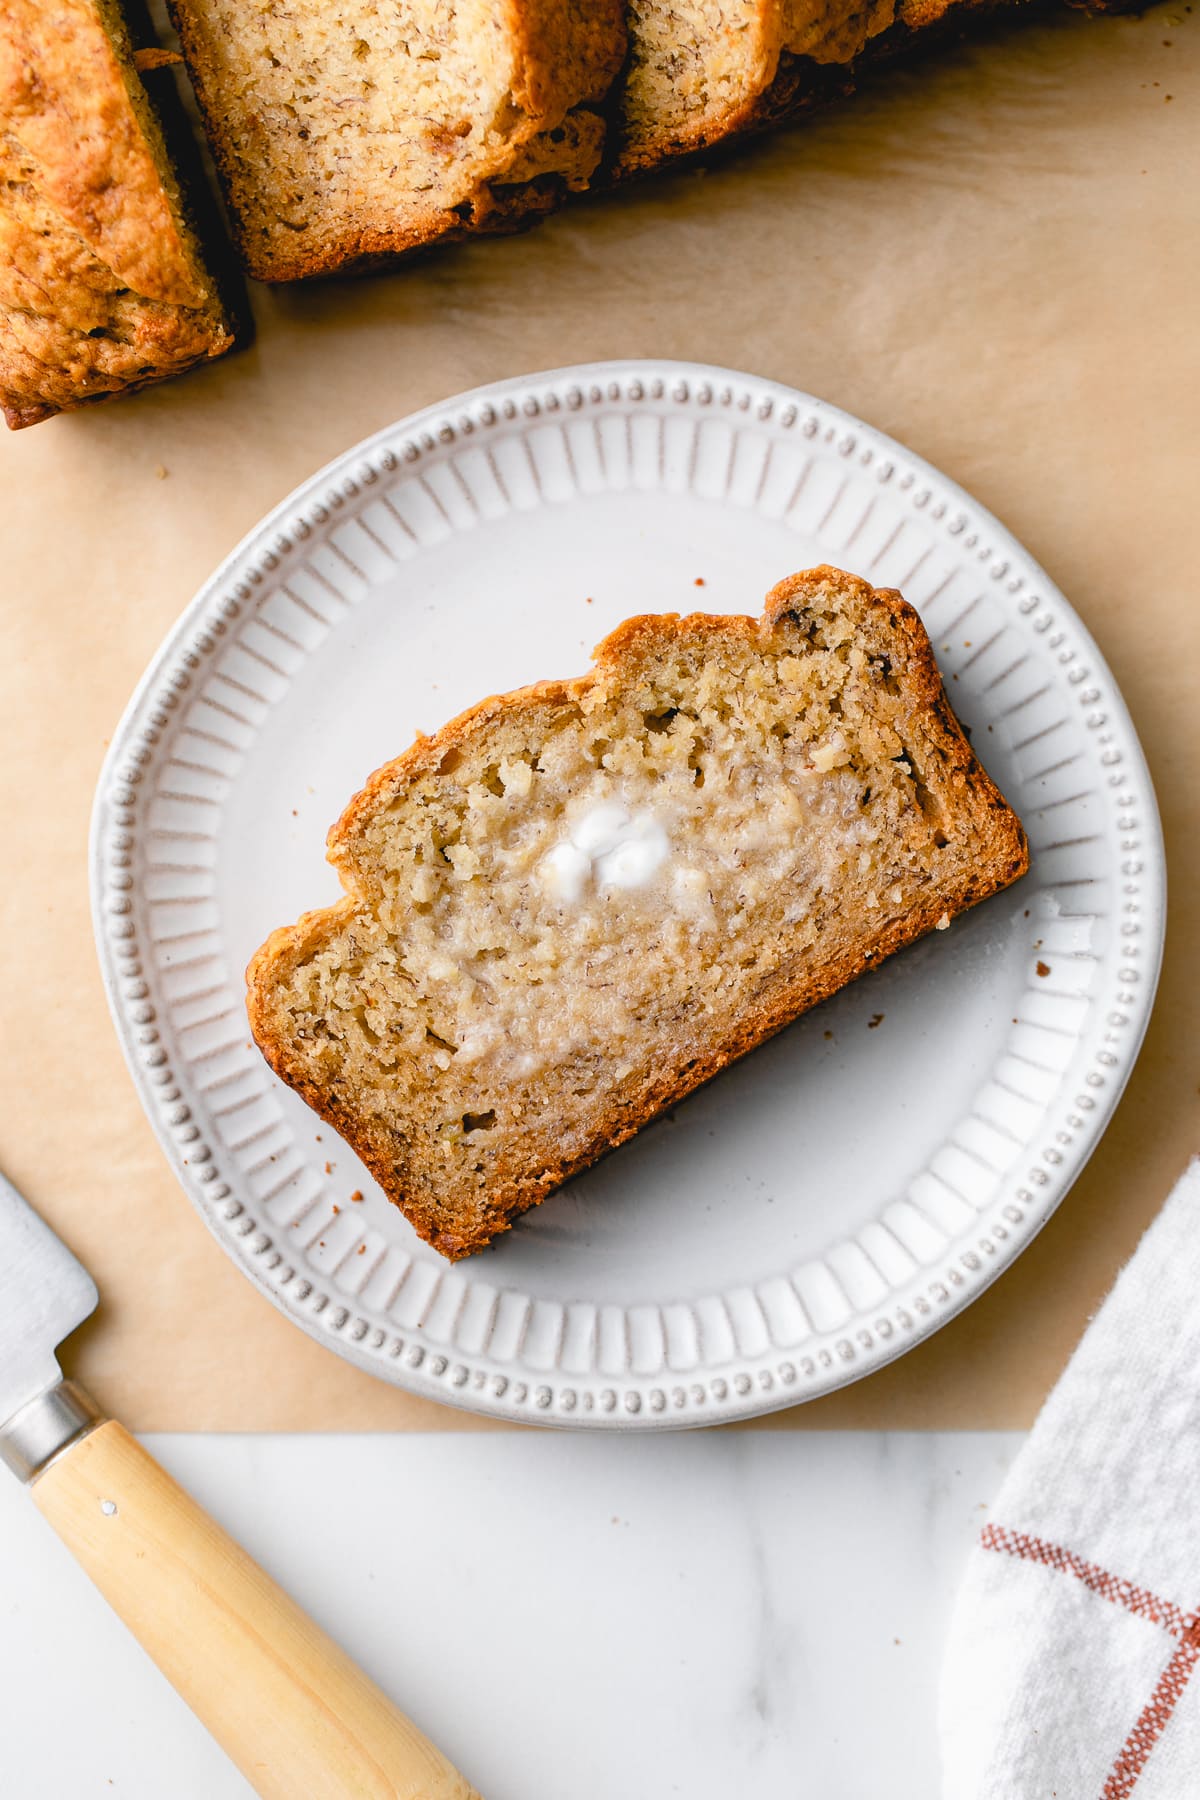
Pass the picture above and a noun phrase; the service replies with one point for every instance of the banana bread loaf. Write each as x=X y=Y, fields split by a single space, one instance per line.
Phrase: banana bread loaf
x=577 y=902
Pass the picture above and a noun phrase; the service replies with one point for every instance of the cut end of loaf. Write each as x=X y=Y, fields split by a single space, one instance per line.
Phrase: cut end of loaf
x=577 y=902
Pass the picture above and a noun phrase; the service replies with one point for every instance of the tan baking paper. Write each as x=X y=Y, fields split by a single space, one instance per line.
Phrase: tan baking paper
x=994 y=257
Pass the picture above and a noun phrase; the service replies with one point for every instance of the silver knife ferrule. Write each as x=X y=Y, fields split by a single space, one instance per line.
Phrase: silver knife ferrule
x=45 y=1427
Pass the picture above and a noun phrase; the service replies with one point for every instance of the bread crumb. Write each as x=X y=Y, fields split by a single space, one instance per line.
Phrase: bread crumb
x=362 y=1249
x=1043 y=968
x=874 y=1020
x=356 y=1195
x=146 y=60
x=336 y=1207
x=943 y=923
x=329 y=1168
x=699 y=581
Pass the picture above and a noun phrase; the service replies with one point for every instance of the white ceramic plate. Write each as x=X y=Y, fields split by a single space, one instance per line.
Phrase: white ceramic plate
x=837 y=1195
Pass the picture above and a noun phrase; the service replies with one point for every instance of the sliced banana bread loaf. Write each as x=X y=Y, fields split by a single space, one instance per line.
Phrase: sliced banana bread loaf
x=577 y=902
x=103 y=286
x=345 y=134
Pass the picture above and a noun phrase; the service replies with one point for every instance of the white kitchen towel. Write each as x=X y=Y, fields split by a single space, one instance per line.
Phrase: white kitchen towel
x=1071 y=1666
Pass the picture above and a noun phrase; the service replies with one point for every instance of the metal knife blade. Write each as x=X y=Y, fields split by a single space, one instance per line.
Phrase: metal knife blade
x=45 y=1292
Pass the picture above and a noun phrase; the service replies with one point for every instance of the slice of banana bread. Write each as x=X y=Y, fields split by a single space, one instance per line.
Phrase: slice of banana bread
x=345 y=135
x=103 y=287
x=698 y=73
x=577 y=902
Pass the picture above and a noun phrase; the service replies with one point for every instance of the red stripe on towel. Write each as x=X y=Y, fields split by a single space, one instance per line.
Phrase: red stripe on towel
x=1153 y=1719
x=1110 y=1587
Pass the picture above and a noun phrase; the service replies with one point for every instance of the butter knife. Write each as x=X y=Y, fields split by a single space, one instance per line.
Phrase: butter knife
x=285 y=1703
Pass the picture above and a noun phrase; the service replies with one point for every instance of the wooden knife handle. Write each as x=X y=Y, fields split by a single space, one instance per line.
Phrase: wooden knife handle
x=290 y=1708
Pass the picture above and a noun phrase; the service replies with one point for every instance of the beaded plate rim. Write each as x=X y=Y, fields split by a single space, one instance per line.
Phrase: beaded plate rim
x=770 y=1380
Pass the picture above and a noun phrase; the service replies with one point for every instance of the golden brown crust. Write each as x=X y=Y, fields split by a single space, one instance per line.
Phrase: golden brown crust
x=571 y=51
x=1000 y=855
x=101 y=289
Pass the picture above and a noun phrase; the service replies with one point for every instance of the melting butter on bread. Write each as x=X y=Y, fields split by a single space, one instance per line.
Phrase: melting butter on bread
x=577 y=902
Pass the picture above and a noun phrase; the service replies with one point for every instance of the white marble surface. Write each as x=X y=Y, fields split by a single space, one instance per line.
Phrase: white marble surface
x=726 y=1616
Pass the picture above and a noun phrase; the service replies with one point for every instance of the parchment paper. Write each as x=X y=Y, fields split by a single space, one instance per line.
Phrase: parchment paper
x=994 y=257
